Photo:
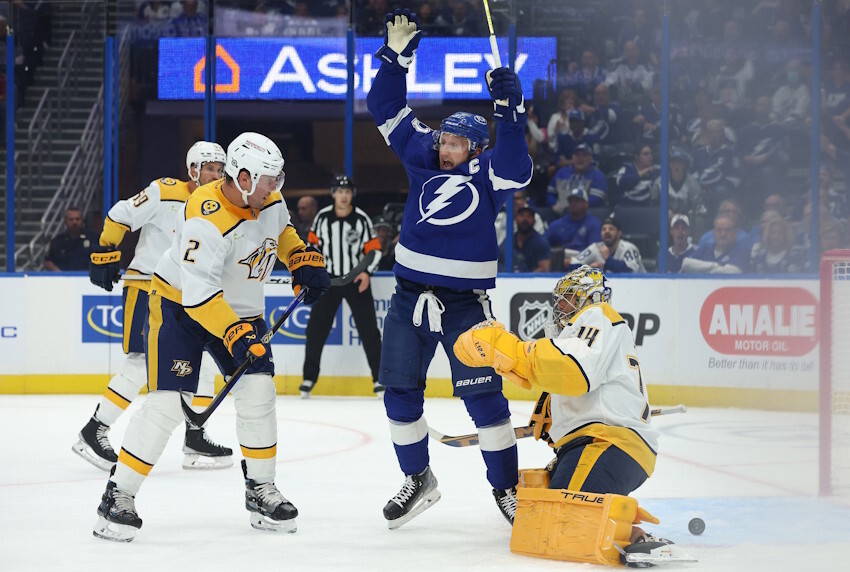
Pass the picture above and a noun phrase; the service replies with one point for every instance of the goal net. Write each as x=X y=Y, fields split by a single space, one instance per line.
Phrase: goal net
x=835 y=373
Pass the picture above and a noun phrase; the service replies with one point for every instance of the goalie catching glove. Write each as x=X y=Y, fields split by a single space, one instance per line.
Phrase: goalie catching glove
x=104 y=269
x=308 y=269
x=242 y=341
x=506 y=92
x=401 y=38
x=489 y=344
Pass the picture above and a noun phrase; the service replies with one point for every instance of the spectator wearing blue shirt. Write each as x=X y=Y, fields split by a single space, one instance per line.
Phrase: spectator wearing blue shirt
x=716 y=165
x=680 y=232
x=731 y=209
x=582 y=173
x=603 y=120
x=190 y=23
x=725 y=256
x=530 y=249
x=634 y=180
x=576 y=230
x=575 y=136
x=585 y=79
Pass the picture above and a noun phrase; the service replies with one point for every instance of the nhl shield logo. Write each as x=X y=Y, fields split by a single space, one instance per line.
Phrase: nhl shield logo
x=532 y=317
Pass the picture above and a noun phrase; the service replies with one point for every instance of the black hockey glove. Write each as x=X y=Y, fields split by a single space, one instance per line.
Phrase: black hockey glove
x=104 y=269
x=402 y=33
x=308 y=269
x=506 y=92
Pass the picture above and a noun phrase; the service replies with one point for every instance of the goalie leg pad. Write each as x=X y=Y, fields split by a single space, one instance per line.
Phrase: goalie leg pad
x=146 y=437
x=574 y=526
x=256 y=424
x=122 y=389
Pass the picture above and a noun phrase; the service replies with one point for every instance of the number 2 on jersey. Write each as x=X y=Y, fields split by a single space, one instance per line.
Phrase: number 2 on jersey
x=194 y=245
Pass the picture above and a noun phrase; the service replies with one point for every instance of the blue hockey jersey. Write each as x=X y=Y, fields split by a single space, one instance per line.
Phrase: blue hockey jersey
x=448 y=237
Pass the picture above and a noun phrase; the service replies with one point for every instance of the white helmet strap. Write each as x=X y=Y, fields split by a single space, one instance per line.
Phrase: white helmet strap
x=245 y=194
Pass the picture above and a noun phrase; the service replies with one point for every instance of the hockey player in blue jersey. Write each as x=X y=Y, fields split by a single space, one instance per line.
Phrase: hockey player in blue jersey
x=446 y=258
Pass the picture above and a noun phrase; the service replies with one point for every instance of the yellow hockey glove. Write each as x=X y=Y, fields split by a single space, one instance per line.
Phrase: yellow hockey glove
x=489 y=345
x=241 y=341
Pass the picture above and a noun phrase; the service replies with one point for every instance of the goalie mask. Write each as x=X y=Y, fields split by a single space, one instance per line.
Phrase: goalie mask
x=203 y=152
x=582 y=286
x=258 y=155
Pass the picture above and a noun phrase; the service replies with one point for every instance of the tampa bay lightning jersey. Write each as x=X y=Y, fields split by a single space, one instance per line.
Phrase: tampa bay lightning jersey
x=448 y=237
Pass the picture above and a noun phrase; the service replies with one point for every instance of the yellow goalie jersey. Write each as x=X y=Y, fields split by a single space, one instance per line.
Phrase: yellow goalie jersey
x=222 y=256
x=599 y=391
x=155 y=211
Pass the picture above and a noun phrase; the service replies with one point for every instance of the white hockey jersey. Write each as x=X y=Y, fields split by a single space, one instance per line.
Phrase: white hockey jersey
x=625 y=259
x=222 y=256
x=155 y=211
x=593 y=375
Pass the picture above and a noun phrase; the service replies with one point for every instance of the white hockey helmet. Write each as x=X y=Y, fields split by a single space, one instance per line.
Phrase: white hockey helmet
x=203 y=152
x=258 y=155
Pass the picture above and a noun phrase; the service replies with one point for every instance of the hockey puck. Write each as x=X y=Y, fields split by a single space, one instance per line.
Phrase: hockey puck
x=696 y=526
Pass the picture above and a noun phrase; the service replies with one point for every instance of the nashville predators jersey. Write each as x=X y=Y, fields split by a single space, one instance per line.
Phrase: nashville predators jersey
x=222 y=255
x=598 y=390
x=155 y=211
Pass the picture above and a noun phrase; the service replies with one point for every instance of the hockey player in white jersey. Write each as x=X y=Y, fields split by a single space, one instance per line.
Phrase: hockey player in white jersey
x=154 y=213
x=208 y=294
x=612 y=253
x=596 y=413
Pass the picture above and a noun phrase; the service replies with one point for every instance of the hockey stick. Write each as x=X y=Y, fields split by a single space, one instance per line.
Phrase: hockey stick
x=494 y=47
x=198 y=419
x=525 y=431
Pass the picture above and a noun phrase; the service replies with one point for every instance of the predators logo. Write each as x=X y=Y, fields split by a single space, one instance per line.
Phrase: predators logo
x=261 y=262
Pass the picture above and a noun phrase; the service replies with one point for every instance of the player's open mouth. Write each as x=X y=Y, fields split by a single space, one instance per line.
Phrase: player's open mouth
x=447 y=165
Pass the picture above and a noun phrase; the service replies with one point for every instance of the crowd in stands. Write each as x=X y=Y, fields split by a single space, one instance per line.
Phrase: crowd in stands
x=739 y=124
x=740 y=129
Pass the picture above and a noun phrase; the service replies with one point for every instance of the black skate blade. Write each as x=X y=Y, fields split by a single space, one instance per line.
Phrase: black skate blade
x=424 y=504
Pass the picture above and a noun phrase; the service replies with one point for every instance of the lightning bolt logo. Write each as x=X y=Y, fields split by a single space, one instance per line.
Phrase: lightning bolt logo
x=443 y=196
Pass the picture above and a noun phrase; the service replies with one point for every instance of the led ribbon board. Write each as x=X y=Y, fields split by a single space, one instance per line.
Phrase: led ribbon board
x=314 y=68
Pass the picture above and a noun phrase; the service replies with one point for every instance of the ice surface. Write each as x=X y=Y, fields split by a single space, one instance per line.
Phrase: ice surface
x=751 y=475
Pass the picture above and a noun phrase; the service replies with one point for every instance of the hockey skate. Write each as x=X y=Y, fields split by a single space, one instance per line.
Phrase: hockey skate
x=377 y=388
x=306 y=387
x=269 y=509
x=93 y=445
x=648 y=551
x=201 y=453
x=418 y=493
x=118 y=520
x=506 y=499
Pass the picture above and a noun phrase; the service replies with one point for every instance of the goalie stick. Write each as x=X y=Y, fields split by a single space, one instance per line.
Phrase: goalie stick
x=198 y=419
x=525 y=431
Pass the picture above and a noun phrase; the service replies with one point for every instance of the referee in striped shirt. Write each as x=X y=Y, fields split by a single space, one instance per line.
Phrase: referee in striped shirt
x=344 y=234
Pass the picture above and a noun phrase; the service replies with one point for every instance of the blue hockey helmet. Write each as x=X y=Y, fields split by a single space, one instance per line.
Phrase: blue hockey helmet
x=469 y=125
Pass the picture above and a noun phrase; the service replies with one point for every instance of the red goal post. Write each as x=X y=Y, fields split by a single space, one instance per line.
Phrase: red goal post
x=834 y=399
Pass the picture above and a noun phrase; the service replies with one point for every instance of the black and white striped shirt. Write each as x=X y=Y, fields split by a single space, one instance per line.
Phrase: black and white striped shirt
x=344 y=241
